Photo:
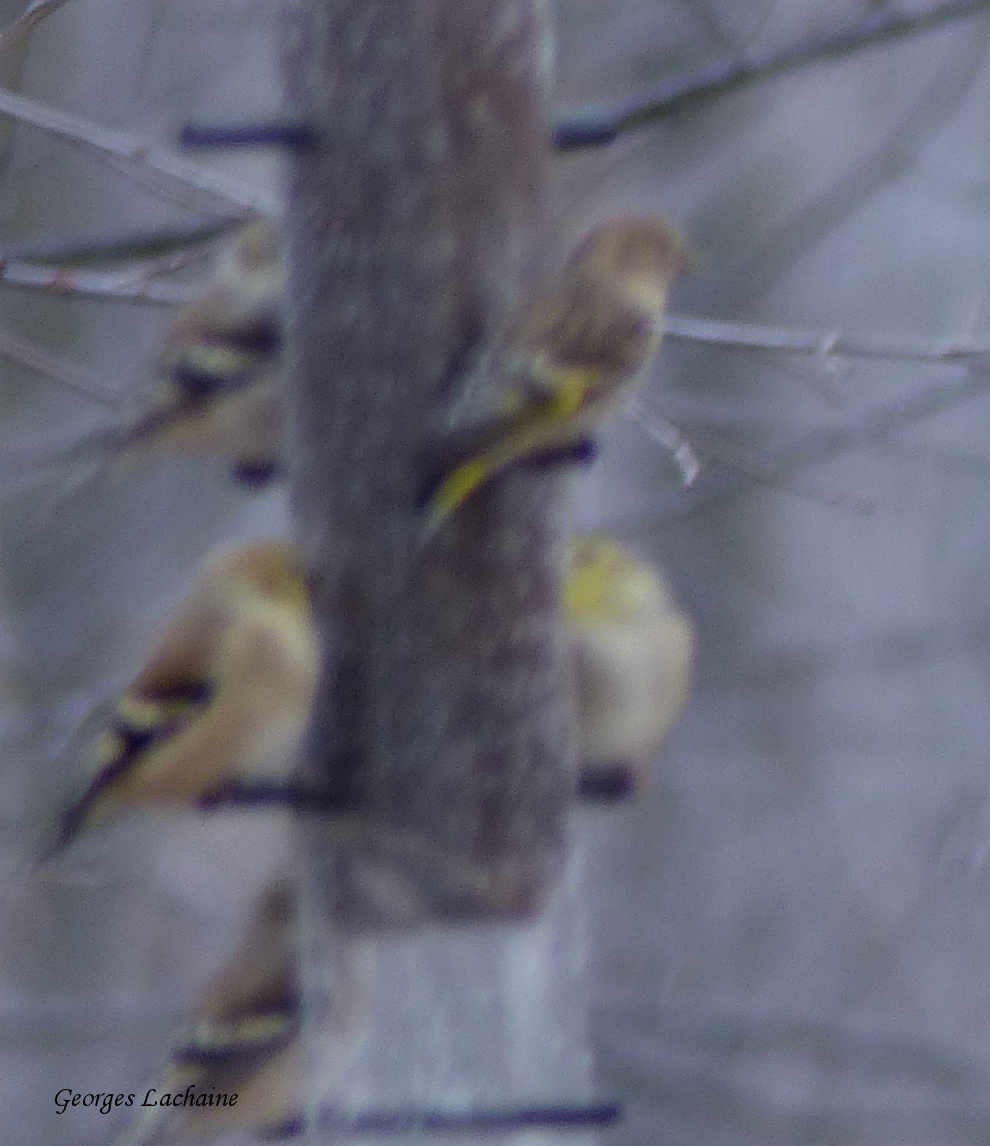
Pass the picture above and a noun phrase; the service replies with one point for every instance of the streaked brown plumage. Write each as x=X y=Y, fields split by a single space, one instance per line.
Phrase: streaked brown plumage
x=572 y=356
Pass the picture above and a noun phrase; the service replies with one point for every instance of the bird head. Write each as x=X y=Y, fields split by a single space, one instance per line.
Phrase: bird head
x=638 y=255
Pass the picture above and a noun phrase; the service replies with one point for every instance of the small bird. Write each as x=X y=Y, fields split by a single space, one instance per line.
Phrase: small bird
x=222 y=363
x=571 y=357
x=244 y=1041
x=219 y=387
x=246 y=1038
x=226 y=694
x=632 y=651
x=224 y=697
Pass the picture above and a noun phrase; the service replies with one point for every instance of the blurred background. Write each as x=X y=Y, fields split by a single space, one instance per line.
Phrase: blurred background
x=789 y=936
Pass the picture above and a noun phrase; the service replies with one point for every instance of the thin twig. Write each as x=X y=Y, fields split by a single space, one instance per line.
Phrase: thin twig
x=132 y=286
x=826 y=344
x=139 y=157
x=596 y=126
x=758 y=466
x=72 y=377
x=812 y=448
x=25 y=24
x=667 y=435
x=129 y=247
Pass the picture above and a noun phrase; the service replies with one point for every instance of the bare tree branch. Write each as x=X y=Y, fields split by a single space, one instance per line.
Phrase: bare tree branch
x=132 y=286
x=827 y=344
x=102 y=249
x=67 y=374
x=25 y=24
x=140 y=159
x=814 y=447
x=594 y=127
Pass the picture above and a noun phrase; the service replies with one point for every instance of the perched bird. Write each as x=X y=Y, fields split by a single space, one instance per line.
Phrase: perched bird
x=226 y=694
x=222 y=363
x=631 y=650
x=223 y=698
x=219 y=384
x=569 y=359
x=242 y=1042
x=246 y=1039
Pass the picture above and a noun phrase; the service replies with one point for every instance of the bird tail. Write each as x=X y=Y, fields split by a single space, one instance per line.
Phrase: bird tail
x=535 y=439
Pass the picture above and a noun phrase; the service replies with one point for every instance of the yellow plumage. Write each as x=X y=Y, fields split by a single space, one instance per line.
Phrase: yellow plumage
x=632 y=650
x=219 y=377
x=243 y=1039
x=221 y=367
x=224 y=696
x=245 y=1036
x=571 y=357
